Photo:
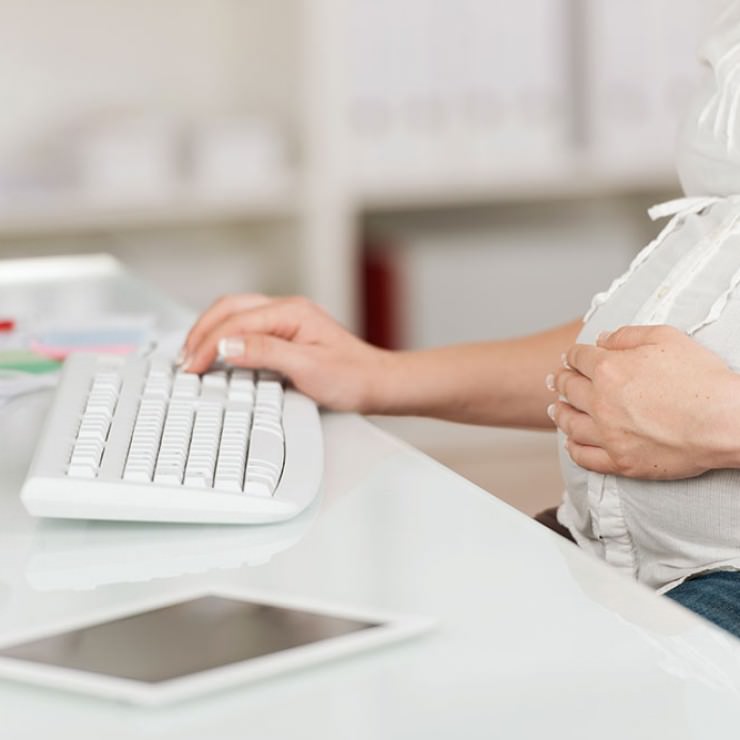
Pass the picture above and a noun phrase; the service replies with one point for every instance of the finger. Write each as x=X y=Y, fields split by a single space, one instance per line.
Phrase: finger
x=591 y=458
x=577 y=426
x=584 y=358
x=219 y=311
x=277 y=318
x=266 y=352
x=631 y=337
x=575 y=388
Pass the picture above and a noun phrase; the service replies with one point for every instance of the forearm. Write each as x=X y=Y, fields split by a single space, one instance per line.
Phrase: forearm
x=493 y=383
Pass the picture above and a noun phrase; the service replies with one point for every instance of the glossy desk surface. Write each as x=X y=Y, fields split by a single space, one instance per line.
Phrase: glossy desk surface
x=535 y=638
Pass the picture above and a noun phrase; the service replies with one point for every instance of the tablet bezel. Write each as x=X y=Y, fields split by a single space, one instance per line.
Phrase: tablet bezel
x=393 y=627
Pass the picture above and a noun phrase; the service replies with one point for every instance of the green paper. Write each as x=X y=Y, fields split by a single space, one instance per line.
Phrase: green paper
x=27 y=362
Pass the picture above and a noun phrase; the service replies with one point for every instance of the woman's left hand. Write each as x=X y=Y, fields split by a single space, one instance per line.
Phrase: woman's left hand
x=648 y=402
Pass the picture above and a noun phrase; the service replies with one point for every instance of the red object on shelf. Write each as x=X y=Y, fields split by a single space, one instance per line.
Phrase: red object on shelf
x=381 y=297
x=7 y=324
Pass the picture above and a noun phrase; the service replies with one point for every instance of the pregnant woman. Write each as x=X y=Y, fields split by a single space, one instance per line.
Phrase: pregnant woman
x=644 y=390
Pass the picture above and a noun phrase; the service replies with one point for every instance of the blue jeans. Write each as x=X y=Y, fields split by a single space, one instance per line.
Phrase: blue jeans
x=714 y=596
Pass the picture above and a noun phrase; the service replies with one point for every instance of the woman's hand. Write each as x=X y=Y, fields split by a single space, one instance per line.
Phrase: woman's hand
x=649 y=402
x=297 y=339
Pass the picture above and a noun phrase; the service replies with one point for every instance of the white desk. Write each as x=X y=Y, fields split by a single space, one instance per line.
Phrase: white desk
x=536 y=639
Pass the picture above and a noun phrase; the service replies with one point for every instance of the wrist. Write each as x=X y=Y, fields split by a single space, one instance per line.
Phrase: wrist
x=393 y=387
x=383 y=387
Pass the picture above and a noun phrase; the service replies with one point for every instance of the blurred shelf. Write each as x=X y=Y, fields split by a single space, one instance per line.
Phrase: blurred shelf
x=73 y=213
x=448 y=188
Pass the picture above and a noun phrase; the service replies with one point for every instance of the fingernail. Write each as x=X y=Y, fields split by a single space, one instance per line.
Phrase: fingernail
x=603 y=336
x=564 y=360
x=183 y=361
x=231 y=347
x=550 y=382
x=551 y=411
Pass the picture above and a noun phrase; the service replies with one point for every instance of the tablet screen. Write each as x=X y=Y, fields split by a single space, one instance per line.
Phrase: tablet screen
x=184 y=638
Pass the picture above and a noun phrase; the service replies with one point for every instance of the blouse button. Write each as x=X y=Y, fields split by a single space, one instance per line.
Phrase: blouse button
x=663 y=292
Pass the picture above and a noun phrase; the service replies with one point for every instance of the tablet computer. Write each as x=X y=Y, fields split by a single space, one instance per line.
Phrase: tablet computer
x=178 y=648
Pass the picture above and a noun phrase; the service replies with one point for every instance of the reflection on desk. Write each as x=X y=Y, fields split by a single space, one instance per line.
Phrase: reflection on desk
x=77 y=555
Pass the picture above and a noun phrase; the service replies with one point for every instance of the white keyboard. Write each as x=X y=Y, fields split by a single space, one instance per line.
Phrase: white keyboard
x=133 y=439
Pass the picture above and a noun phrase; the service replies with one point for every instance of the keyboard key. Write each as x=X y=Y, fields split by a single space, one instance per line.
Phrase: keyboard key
x=93 y=431
x=269 y=426
x=157 y=388
x=266 y=486
x=145 y=440
x=204 y=444
x=79 y=470
x=230 y=485
x=197 y=480
x=185 y=385
x=160 y=368
x=216 y=379
x=266 y=453
x=87 y=453
x=263 y=475
x=175 y=442
x=136 y=475
x=241 y=386
x=168 y=476
x=107 y=380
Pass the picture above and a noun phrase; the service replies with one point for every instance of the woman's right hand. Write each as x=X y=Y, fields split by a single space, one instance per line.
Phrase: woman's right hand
x=297 y=339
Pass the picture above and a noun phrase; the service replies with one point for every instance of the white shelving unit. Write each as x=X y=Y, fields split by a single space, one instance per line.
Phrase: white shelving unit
x=579 y=180
x=73 y=214
x=287 y=59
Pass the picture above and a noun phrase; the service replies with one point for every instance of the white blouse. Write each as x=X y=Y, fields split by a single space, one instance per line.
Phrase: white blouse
x=664 y=532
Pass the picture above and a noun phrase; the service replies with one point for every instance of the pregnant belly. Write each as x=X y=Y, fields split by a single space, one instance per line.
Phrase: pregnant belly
x=689 y=280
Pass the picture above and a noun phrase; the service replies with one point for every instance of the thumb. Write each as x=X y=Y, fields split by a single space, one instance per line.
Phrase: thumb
x=629 y=337
x=264 y=352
